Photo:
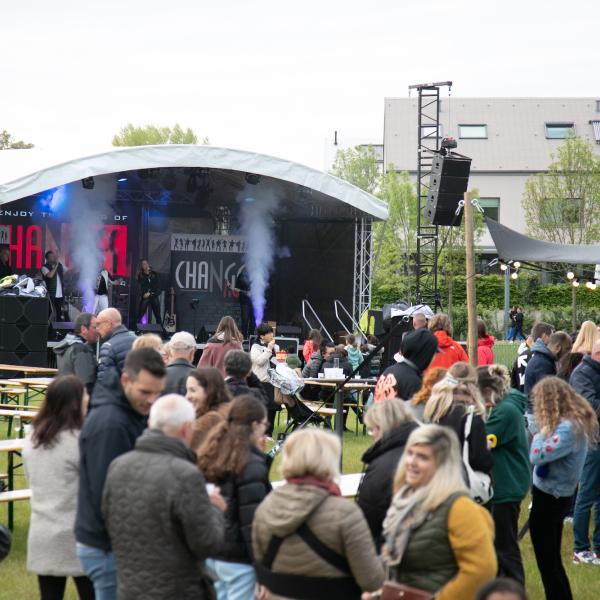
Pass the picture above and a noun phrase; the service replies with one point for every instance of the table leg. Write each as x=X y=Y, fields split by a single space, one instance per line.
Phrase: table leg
x=10 y=460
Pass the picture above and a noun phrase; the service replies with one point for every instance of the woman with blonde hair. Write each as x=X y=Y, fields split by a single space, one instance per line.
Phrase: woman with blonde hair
x=450 y=403
x=436 y=538
x=148 y=340
x=586 y=338
x=567 y=426
x=227 y=337
x=309 y=541
x=390 y=422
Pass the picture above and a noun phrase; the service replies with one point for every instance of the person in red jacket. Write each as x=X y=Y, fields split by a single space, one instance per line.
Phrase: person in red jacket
x=485 y=342
x=451 y=351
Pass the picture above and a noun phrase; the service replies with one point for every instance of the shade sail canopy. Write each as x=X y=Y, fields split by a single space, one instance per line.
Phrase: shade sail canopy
x=515 y=246
x=27 y=172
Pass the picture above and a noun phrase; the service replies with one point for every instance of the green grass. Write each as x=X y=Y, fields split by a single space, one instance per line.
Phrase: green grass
x=17 y=584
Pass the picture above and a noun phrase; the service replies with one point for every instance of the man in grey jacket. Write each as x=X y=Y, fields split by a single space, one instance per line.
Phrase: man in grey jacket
x=116 y=342
x=76 y=354
x=162 y=522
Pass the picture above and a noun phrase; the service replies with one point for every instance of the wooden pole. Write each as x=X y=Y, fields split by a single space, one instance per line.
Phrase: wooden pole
x=471 y=298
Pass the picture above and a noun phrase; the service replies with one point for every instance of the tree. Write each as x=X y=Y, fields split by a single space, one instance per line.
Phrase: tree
x=358 y=166
x=7 y=142
x=151 y=135
x=563 y=204
x=395 y=274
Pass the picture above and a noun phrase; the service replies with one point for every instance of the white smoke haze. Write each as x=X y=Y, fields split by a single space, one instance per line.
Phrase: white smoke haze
x=257 y=210
x=86 y=209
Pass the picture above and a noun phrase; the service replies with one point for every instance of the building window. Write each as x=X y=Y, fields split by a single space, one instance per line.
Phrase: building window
x=559 y=131
x=428 y=131
x=491 y=207
x=473 y=132
x=597 y=105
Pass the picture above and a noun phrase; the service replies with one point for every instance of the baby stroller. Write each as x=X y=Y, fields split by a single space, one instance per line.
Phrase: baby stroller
x=285 y=379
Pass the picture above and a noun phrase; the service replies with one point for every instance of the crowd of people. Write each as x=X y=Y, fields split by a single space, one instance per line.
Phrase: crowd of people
x=150 y=477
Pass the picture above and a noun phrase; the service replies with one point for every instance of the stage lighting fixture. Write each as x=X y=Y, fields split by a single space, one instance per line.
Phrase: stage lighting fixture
x=87 y=183
x=449 y=143
x=121 y=177
x=192 y=184
x=169 y=181
x=570 y=275
x=252 y=178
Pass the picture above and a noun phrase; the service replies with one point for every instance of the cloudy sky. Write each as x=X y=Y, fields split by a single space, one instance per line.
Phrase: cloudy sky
x=274 y=77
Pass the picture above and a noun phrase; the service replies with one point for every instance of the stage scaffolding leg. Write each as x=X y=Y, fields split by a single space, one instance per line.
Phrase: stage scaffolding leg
x=363 y=263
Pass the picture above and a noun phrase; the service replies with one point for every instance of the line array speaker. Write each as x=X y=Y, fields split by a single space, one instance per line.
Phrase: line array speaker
x=447 y=185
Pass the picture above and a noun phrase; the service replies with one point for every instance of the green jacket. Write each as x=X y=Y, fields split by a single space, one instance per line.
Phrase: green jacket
x=505 y=429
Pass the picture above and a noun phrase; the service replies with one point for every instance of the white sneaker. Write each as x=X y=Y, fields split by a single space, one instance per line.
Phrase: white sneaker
x=586 y=557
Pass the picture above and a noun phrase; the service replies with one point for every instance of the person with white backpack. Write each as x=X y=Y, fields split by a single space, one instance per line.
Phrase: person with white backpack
x=456 y=403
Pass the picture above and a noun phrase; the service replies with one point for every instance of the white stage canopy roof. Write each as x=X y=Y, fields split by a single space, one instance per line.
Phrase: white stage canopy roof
x=27 y=172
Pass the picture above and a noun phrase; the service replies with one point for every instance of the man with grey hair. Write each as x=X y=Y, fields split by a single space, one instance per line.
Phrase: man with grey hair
x=161 y=520
x=183 y=347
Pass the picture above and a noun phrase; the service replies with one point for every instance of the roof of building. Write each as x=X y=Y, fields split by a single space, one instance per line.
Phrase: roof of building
x=516 y=133
x=27 y=172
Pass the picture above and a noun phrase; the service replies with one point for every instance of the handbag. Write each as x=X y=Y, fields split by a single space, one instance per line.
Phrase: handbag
x=392 y=590
x=480 y=483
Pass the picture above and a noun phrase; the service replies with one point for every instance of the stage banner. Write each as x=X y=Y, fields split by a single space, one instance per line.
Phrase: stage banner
x=204 y=271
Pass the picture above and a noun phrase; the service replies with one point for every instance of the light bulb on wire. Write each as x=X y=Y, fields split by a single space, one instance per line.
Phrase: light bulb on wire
x=515 y=276
x=570 y=275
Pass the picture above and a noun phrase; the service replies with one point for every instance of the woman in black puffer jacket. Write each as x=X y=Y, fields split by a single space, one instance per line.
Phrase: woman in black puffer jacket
x=232 y=457
x=390 y=424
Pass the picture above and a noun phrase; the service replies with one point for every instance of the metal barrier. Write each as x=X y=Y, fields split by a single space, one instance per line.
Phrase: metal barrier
x=306 y=304
x=337 y=304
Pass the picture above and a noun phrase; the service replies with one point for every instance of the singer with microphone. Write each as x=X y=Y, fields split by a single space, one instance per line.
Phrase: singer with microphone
x=147 y=279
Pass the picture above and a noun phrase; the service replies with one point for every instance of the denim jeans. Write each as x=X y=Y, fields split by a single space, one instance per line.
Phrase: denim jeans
x=236 y=580
x=99 y=566
x=588 y=496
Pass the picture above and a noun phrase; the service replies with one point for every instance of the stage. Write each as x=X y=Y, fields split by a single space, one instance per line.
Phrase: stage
x=185 y=209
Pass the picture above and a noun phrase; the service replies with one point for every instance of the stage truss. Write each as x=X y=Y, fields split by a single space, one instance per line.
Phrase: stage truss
x=363 y=261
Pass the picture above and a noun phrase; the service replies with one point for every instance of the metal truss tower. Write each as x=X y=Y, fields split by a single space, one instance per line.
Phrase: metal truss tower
x=363 y=262
x=428 y=142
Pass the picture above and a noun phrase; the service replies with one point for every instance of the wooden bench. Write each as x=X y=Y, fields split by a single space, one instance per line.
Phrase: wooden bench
x=15 y=495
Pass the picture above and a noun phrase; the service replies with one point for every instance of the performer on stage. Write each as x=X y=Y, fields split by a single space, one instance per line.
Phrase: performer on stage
x=53 y=272
x=5 y=268
x=247 y=324
x=103 y=280
x=149 y=290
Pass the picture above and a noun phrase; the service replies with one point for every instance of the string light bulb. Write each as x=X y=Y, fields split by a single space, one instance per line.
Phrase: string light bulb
x=515 y=275
x=517 y=264
x=570 y=275
x=575 y=283
x=503 y=267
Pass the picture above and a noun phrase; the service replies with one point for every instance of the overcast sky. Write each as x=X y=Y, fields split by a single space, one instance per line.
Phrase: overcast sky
x=274 y=77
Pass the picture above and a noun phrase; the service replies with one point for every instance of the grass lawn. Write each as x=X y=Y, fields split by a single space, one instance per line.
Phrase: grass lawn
x=17 y=584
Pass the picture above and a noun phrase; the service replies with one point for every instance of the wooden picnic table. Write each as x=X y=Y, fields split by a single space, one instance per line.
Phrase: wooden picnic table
x=29 y=370
x=11 y=447
x=352 y=384
x=33 y=385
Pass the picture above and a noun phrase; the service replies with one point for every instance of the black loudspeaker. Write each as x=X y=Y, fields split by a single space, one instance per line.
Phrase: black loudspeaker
x=29 y=359
x=447 y=185
x=150 y=328
x=393 y=342
x=23 y=337
x=16 y=309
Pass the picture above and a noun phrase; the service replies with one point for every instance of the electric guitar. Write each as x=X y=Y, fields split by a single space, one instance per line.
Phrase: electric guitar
x=170 y=320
